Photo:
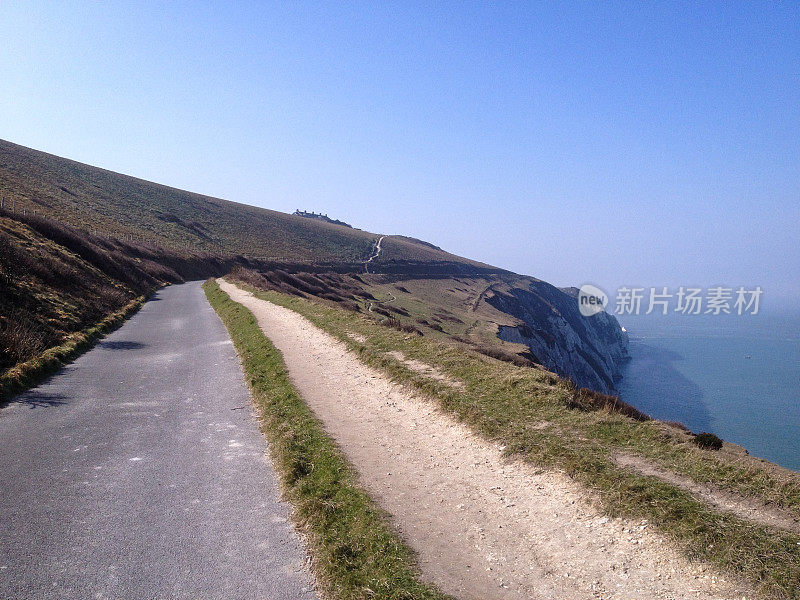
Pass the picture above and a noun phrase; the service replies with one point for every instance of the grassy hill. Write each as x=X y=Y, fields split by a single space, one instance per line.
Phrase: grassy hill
x=124 y=207
x=82 y=232
x=78 y=243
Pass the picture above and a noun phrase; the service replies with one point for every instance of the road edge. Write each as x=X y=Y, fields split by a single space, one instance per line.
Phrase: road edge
x=24 y=376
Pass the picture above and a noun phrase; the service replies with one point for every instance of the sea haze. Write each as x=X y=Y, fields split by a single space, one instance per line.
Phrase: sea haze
x=735 y=376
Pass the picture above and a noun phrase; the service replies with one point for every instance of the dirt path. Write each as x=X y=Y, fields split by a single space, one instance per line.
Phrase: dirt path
x=426 y=370
x=375 y=253
x=483 y=527
x=743 y=507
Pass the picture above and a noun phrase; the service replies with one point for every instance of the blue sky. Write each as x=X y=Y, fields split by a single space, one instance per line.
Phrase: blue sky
x=614 y=143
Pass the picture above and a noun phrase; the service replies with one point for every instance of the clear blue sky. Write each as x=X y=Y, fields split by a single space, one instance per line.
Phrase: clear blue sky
x=631 y=143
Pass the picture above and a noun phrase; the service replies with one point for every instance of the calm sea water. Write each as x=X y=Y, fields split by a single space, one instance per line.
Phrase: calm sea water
x=737 y=376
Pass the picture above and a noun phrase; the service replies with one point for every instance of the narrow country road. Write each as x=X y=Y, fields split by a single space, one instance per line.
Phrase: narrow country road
x=139 y=472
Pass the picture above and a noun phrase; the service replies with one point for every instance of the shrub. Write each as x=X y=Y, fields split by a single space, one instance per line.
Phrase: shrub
x=588 y=400
x=708 y=441
x=398 y=310
x=350 y=305
x=445 y=317
x=500 y=354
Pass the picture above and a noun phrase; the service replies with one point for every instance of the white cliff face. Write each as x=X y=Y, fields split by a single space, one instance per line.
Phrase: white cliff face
x=587 y=350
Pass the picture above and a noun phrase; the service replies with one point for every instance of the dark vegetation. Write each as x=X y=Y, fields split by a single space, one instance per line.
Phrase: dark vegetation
x=334 y=287
x=401 y=326
x=56 y=281
x=504 y=355
x=708 y=441
x=588 y=400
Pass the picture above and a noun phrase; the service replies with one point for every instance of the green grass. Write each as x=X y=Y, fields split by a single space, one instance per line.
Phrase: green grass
x=27 y=374
x=356 y=554
x=526 y=411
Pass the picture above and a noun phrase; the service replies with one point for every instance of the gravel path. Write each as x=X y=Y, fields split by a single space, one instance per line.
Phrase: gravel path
x=483 y=527
x=139 y=471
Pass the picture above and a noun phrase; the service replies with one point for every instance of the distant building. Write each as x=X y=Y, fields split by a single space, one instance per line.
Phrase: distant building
x=320 y=217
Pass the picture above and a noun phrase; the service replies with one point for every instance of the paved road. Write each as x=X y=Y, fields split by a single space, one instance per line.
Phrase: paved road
x=139 y=472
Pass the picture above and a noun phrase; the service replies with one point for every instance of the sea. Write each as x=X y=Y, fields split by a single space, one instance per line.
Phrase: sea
x=737 y=376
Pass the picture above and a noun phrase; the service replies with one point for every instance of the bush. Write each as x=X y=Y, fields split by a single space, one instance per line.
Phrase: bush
x=708 y=441
x=350 y=305
x=588 y=400
x=500 y=354
x=446 y=317
x=398 y=310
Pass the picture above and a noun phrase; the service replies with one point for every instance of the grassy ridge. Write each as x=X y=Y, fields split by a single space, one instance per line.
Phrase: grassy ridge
x=121 y=206
x=356 y=553
x=27 y=374
x=527 y=411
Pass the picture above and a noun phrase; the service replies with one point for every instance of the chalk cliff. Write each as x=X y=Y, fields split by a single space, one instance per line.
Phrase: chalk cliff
x=588 y=350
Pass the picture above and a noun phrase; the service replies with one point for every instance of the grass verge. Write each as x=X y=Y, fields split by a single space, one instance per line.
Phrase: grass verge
x=356 y=553
x=527 y=411
x=29 y=373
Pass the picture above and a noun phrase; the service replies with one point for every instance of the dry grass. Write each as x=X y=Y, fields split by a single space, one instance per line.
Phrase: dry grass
x=58 y=281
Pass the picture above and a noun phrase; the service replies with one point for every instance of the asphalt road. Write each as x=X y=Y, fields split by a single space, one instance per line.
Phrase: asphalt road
x=139 y=472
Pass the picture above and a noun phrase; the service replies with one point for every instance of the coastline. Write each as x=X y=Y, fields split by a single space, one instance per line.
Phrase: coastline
x=740 y=383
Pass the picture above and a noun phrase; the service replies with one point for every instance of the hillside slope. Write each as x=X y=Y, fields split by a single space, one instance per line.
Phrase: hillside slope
x=56 y=281
x=134 y=235
x=121 y=206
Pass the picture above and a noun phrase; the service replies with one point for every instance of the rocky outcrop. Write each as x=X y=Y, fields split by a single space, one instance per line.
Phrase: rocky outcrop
x=588 y=350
